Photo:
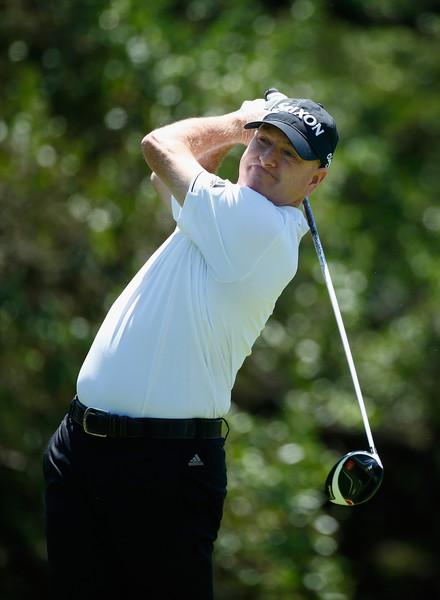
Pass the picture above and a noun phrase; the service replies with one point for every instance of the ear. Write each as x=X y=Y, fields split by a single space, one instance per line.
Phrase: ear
x=316 y=179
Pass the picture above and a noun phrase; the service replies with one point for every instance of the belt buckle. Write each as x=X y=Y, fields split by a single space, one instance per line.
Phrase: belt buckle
x=95 y=411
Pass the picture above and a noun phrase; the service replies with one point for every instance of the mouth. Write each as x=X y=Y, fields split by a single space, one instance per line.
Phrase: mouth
x=260 y=169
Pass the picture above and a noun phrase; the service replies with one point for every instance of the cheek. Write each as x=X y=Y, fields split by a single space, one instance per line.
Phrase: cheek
x=242 y=163
x=303 y=179
x=245 y=156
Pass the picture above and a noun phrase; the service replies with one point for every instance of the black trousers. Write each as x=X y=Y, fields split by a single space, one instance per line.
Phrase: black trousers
x=134 y=517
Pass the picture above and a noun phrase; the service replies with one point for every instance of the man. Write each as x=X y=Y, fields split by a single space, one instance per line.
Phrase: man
x=136 y=474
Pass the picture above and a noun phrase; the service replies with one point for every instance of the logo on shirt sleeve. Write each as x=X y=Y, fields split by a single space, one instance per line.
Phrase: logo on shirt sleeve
x=217 y=182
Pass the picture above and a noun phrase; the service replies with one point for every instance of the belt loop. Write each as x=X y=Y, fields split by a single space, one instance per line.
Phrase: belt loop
x=112 y=428
x=227 y=425
x=123 y=426
x=72 y=406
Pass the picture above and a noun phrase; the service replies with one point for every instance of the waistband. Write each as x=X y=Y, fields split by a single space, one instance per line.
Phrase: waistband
x=101 y=423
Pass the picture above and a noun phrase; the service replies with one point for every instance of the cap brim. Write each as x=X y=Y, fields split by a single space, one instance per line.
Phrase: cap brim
x=295 y=137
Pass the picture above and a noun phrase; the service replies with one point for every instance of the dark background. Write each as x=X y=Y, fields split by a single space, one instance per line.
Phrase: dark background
x=80 y=84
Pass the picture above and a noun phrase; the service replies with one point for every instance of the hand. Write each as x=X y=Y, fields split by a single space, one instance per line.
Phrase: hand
x=253 y=106
x=261 y=104
x=256 y=110
x=273 y=99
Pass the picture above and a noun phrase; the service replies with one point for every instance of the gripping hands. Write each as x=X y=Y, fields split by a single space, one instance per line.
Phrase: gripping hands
x=271 y=97
x=256 y=110
x=251 y=107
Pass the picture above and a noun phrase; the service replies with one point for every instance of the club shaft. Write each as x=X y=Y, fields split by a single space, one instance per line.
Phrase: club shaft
x=339 y=321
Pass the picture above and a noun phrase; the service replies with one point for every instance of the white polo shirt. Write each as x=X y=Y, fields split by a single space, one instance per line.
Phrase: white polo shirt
x=172 y=343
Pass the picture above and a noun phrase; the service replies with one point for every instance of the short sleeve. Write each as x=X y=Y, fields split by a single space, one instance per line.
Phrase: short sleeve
x=234 y=226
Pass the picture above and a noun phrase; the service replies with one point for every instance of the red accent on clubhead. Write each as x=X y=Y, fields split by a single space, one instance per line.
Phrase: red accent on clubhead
x=349 y=465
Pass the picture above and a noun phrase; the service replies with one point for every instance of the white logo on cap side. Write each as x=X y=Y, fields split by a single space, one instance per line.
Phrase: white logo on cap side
x=302 y=114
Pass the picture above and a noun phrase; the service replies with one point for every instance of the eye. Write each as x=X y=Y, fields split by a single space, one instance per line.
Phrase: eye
x=263 y=140
x=291 y=155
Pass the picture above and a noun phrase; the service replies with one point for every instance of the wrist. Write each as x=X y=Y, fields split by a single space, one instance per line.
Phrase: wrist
x=238 y=120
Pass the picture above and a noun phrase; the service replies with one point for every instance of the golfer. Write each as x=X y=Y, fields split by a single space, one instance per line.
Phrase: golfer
x=136 y=474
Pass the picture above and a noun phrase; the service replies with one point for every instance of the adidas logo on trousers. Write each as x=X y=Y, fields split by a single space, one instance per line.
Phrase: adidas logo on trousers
x=196 y=461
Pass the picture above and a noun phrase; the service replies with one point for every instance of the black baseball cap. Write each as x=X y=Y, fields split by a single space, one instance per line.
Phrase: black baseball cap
x=310 y=128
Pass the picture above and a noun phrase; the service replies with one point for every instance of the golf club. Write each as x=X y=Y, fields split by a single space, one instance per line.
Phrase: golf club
x=356 y=477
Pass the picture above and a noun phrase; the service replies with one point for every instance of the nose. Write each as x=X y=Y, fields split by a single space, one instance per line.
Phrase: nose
x=269 y=156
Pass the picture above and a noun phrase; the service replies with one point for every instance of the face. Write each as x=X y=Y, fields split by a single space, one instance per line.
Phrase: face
x=271 y=166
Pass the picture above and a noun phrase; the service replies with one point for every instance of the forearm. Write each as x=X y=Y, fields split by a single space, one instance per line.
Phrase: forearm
x=162 y=191
x=210 y=161
x=177 y=151
x=202 y=135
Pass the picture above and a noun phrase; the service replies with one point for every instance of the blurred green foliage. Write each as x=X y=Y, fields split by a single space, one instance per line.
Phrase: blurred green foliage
x=81 y=83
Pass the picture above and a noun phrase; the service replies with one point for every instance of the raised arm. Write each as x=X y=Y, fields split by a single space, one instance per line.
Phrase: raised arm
x=177 y=152
x=210 y=161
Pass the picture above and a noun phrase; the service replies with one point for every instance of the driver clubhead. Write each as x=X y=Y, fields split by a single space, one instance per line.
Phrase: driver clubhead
x=354 y=479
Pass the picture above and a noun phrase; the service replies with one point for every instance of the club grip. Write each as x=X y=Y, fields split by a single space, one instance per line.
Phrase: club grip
x=273 y=94
x=269 y=92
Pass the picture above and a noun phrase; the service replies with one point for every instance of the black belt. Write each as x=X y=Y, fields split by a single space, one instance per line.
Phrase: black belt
x=104 y=424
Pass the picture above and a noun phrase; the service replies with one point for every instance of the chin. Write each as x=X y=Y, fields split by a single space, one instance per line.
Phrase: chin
x=287 y=202
x=277 y=202
x=252 y=184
